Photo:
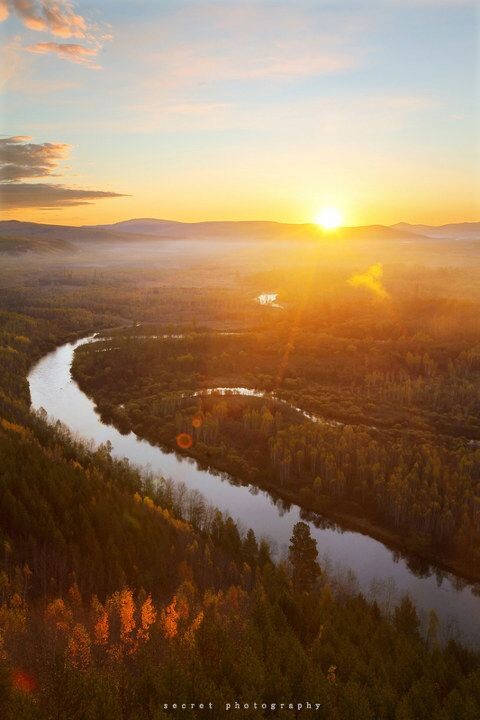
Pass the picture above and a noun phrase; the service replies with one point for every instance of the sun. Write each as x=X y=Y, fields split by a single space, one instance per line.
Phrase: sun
x=329 y=218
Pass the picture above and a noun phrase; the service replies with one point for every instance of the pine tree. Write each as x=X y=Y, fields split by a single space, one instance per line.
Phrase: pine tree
x=303 y=556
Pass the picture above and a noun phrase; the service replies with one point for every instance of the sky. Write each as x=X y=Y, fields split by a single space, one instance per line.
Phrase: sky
x=239 y=110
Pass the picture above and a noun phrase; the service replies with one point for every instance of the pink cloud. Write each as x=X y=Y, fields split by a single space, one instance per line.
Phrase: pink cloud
x=58 y=17
x=3 y=10
x=185 y=64
x=67 y=51
x=63 y=21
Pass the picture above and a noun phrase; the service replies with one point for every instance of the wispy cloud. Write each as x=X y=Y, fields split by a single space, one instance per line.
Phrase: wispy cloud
x=68 y=51
x=60 y=19
x=214 y=43
x=44 y=195
x=21 y=159
x=57 y=17
x=325 y=121
x=180 y=66
x=11 y=58
x=370 y=279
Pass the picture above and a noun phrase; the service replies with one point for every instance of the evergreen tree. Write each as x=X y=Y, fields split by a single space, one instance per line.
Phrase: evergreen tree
x=303 y=556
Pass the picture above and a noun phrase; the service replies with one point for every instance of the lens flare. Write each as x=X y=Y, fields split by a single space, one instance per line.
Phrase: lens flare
x=197 y=421
x=23 y=681
x=371 y=279
x=184 y=441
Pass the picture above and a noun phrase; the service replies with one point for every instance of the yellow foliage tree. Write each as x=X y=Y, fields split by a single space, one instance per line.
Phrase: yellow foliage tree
x=79 y=647
x=169 y=620
x=58 y=615
x=148 y=616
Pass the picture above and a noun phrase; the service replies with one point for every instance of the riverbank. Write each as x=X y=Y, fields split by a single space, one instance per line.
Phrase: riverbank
x=356 y=523
x=391 y=539
x=419 y=560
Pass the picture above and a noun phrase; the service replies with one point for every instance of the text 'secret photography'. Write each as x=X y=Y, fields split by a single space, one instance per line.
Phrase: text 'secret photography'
x=240 y=360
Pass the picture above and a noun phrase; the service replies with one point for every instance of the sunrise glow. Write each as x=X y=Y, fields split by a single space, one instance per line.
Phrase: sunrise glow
x=329 y=218
x=215 y=122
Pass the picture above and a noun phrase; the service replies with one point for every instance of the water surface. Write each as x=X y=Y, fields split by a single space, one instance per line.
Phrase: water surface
x=268 y=299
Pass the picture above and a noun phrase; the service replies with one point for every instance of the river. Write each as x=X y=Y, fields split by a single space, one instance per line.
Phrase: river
x=52 y=388
x=269 y=299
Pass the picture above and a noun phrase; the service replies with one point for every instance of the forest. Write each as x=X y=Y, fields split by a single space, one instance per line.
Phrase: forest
x=363 y=416
x=121 y=595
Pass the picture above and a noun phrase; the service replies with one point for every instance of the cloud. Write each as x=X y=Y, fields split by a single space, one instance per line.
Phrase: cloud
x=21 y=159
x=326 y=121
x=182 y=66
x=45 y=195
x=246 y=43
x=68 y=51
x=11 y=60
x=370 y=279
x=56 y=17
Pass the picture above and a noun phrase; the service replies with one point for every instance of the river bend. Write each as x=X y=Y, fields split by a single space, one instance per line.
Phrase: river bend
x=52 y=388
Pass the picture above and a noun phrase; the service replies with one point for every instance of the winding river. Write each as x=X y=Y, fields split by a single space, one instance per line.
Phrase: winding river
x=379 y=571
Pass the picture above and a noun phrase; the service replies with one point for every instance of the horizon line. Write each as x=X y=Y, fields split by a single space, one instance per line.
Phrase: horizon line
x=239 y=222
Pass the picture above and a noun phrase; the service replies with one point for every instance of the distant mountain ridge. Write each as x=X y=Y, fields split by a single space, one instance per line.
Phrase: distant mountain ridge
x=39 y=236
x=39 y=231
x=243 y=229
x=450 y=231
x=151 y=228
x=136 y=224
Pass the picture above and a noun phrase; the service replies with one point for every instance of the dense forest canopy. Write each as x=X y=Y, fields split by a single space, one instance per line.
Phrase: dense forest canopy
x=119 y=595
x=370 y=410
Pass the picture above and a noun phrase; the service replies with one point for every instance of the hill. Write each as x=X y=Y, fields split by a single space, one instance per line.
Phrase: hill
x=451 y=231
x=19 y=245
x=147 y=229
x=256 y=230
x=40 y=232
